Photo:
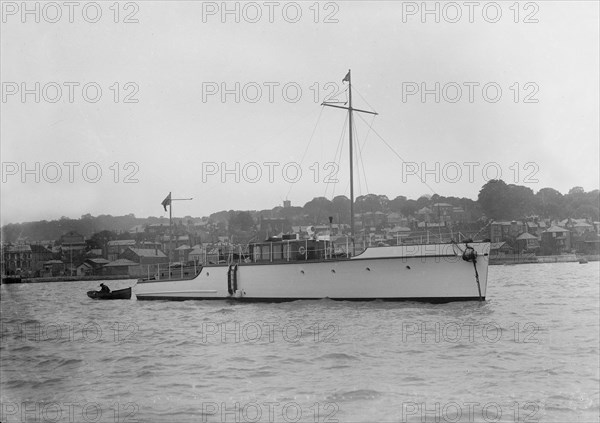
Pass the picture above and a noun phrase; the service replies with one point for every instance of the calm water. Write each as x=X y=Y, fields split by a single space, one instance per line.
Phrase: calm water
x=530 y=353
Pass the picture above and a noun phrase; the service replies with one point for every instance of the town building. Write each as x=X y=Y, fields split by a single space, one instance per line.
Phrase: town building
x=72 y=242
x=54 y=268
x=120 y=267
x=527 y=243
x=588 y=243
x=114 y=249
x=500 y=249
x=506 y=231
x=144 y=256
x=536 y=227
x=182 y=252
x=556 y=240
x=17 y=259
x=442 y=212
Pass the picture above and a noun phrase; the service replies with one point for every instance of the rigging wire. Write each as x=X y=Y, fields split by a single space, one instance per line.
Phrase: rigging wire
x=306 y=149
x=333 y=98
x=256 y=146
x=357 y=144
x=337 y=158
x=360 y=148
x=360 y=156
x=356 y=163
x=477 y=234
x=339 y=149
x=369 y=131
x=364 y=99
x=397 y=155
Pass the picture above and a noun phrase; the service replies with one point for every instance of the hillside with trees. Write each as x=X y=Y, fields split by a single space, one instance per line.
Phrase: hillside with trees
x=496 y=201
x=500 y=201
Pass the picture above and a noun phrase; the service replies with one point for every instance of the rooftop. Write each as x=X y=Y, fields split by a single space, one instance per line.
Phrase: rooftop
x=526 y=235
x=121 y=262
x=555 y=228
x=98 y=261
x=122 y=242
x=147 y=252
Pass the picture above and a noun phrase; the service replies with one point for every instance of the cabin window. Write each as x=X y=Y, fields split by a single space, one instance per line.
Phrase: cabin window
x=279 y=251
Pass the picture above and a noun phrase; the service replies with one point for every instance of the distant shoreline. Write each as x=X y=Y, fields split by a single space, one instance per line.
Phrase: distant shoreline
x=8 y=280
x=567 y=258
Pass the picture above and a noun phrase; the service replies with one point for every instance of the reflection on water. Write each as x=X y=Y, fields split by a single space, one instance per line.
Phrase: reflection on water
x=529 y=353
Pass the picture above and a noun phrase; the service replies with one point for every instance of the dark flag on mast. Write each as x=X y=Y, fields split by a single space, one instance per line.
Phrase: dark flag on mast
x=166 y=202
x=347 y=77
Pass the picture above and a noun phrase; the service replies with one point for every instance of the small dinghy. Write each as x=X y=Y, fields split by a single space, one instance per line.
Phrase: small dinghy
x=120 y=294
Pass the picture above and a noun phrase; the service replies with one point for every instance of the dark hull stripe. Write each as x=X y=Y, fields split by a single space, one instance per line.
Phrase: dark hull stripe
x=434 y=300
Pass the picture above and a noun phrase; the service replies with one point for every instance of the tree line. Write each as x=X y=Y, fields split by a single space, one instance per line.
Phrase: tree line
x=499 y=200
x=496 y=201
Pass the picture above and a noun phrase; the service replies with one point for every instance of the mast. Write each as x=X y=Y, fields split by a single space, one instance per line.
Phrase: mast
x=169 y=202
x=170 y=233
x=350 y=110
x=351 y=163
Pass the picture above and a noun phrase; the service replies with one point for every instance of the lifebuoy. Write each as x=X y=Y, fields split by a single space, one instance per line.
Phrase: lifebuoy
x=469 y=254
x=301 y=250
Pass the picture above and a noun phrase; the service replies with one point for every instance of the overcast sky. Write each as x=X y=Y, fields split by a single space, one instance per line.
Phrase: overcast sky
x=516 y=98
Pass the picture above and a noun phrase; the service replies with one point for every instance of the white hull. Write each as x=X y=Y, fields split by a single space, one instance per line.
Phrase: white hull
x=433 y=272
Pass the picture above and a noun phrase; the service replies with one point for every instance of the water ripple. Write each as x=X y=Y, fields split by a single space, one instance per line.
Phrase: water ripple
x=533 y=345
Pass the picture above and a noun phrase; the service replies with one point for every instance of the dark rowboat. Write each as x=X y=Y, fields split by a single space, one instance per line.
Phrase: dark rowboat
x=120 y=294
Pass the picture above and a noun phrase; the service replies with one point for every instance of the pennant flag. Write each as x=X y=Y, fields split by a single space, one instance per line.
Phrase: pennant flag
x=166 y=202
x=347 y=77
